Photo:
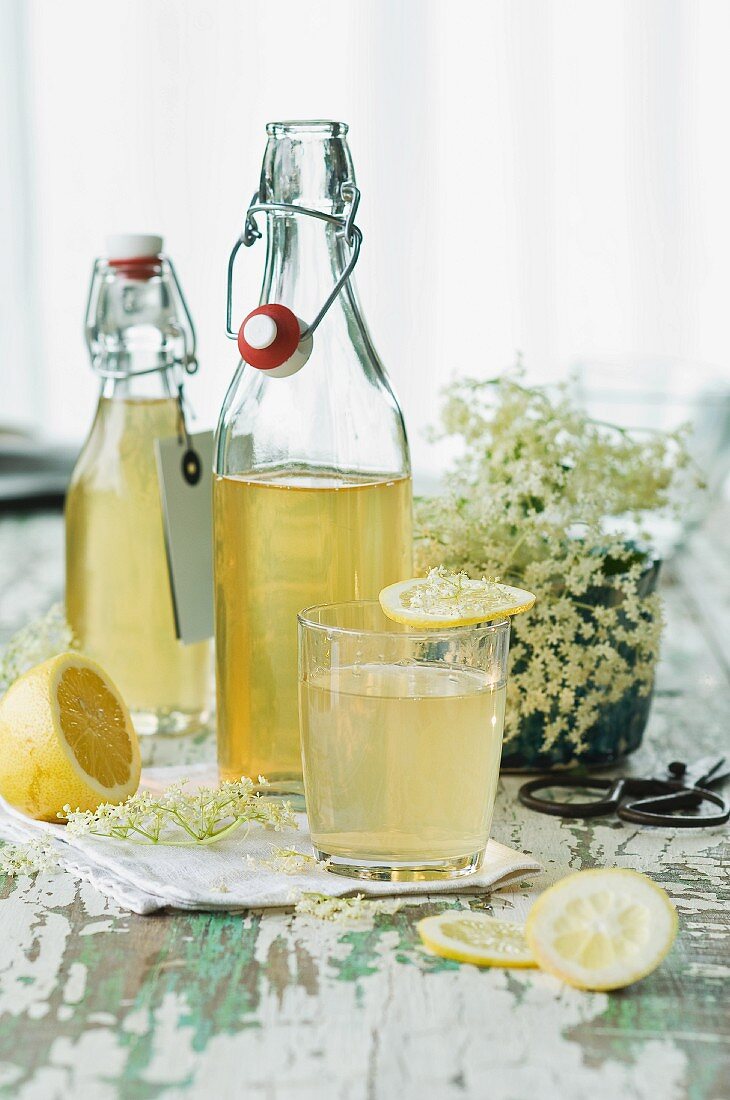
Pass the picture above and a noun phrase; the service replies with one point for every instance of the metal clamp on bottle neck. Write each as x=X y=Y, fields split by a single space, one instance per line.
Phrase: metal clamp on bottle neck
x=277 y=355
x=138 y=323
x=110 y=358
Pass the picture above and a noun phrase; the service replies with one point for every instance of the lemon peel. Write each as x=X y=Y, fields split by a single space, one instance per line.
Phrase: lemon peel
x=476 y=938
x=66 y=737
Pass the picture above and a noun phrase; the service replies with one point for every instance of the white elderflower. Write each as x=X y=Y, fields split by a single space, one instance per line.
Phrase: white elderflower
x=289 y=861
x=33 y=858
x=35 y=643
x=531 y=498
x=344 y=909
x=181 y=817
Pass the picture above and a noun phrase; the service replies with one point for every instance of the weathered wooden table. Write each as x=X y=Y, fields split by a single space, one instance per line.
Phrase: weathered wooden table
x=97 y=1003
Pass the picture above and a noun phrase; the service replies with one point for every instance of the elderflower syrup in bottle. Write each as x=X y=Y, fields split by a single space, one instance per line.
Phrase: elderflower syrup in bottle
x=312 y=487
x=118 y=597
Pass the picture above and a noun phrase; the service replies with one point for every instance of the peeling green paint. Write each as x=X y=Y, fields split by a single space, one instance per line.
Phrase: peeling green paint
x=166 y=1005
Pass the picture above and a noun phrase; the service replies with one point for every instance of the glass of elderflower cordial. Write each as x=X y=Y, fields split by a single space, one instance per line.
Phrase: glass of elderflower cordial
x=401 y=706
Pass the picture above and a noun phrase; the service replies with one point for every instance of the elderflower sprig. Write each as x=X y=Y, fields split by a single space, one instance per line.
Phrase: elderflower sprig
x=441 y=592
x=323 y=907
x=33 y=644
x=32 y=858
x=182 y=817
x=289 y=861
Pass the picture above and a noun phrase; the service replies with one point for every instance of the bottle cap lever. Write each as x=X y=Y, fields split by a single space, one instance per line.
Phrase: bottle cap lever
x=272 y=338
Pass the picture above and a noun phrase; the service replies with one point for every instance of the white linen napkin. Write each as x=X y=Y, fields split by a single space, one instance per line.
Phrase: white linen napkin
x=146 y=878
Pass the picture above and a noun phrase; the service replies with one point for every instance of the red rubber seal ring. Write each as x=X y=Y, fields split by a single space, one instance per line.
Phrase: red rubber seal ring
x=284 y=345
x=137 y=267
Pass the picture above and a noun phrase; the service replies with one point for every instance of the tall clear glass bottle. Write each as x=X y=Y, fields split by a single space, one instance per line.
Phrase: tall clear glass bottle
x=118 y=599
x=312 y=487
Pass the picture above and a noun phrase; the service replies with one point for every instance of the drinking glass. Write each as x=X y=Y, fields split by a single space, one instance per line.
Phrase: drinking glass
x=401 y=733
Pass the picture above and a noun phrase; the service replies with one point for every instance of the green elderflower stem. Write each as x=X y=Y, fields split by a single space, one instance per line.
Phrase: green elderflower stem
x=182 y=818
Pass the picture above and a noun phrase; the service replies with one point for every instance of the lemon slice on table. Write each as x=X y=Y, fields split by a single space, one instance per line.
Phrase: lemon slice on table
x=476 y=938
x=66 y=737
x=444 y=599
x=601 y=929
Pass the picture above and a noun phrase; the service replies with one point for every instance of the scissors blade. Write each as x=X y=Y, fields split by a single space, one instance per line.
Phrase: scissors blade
x=704 y=772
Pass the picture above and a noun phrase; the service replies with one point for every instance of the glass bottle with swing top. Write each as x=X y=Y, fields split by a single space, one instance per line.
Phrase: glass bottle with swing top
x=118 y=597
x=312 y=487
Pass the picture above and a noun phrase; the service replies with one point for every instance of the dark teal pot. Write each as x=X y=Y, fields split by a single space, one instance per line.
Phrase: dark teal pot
x=618 y=732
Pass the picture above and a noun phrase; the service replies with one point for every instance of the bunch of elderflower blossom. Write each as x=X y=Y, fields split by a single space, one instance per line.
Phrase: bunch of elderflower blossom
x=31 y=858
x=179 y=816
x=33 y=644
x=556 y=503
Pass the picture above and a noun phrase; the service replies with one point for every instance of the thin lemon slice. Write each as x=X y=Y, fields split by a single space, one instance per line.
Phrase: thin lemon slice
x=451 y=599
x=66 y=737
x=601 y=929
x=476 y=938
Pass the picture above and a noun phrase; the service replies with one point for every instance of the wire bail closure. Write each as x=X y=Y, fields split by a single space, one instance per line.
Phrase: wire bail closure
x=187 y=361
x=347 y=231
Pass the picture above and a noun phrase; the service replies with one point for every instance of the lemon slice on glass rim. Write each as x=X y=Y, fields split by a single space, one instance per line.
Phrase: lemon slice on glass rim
x=601 y=929
x=443 y=599
x=476 y=938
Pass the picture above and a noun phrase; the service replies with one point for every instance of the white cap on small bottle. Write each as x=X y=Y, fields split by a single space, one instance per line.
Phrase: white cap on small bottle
x=132 y=246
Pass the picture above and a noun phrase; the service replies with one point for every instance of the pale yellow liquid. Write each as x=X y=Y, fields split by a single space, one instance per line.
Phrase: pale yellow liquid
x=118 y=597
x=401 y=761
x=281 y=545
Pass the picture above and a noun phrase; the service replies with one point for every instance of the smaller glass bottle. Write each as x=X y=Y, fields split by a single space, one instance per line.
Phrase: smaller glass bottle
x=118 y=598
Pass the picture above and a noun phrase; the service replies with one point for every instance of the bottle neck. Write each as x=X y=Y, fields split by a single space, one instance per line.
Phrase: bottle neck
x=304 y=260
x=306 y=165
x=153 y=386
x=138 y=328
x=337 y=415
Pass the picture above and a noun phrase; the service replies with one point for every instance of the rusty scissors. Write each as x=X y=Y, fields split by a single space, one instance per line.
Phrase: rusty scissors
x=662 y=800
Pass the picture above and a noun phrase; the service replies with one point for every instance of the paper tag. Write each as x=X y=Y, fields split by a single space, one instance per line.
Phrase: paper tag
x=185 y=477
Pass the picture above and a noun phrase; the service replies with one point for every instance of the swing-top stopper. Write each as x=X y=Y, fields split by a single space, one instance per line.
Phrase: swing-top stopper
x=270 y=339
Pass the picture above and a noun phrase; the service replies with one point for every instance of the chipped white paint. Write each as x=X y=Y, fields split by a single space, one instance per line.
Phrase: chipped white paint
x=96 y=927
x=96 y=904
x=75 y=986
x=33 y=942
x=82 y=1068
x=95 y=1002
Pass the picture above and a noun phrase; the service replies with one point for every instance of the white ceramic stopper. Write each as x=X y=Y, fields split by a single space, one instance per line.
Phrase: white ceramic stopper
x=260 y=331
x=131 y=246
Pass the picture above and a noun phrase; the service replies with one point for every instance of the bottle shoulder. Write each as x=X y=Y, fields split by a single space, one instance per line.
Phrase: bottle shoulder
x=339 y=410
x=321 y=417
x=119 y=446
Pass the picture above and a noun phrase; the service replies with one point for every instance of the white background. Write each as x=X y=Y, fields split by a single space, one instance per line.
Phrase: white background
x=549 y=176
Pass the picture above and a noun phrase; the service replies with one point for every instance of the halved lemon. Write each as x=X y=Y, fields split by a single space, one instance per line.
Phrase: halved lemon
x=66 y=737
x=451 y=599
x=601 y=929
x=476 y=938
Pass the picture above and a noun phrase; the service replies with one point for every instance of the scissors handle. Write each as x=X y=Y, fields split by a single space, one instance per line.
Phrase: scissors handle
x=648 y=811
x=613 y=788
